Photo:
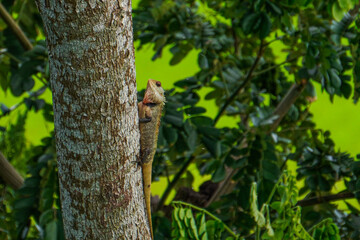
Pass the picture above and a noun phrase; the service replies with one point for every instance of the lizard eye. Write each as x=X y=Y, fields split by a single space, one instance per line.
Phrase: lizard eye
x=158 y=84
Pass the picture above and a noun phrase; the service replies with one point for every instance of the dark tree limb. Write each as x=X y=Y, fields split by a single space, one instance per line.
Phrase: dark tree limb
x=15 y=28
x=283 y=107
x=9 y=174
x=289 y=99
x=324 y=199
x=222 y=110
x=242 y=85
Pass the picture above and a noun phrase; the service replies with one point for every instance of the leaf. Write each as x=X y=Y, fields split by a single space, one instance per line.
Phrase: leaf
x=275 y=9
x=346 y=89
x=209 y=131
x=202 y=228
x=219 y=174
x=344 y=4
x=186 y=83
x=191 y=139
x=51 y=231
x=334 y=78
x=201 y=121
x=250 y=23
x=213 y=146
x=265 y=26
x=46 y=217
x=24 y=202
x=195 y=110
x=182 y=214
x=170 y=134
x=174 y=120
x=337 y=12
x=202 y=61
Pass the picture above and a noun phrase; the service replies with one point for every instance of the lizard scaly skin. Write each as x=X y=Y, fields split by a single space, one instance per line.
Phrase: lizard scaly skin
x=150 y=110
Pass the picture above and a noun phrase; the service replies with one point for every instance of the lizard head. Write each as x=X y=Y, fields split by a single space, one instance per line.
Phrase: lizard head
x=154 y=92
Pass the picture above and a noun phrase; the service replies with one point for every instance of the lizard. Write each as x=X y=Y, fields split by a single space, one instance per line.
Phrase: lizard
x=150 y=109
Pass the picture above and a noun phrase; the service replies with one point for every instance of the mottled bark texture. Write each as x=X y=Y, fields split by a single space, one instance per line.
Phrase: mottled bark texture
x=92 y=71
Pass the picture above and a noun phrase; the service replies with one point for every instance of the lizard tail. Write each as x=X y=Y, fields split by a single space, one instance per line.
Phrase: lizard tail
x=147 y=170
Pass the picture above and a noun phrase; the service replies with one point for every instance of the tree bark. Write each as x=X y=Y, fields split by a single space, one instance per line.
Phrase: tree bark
x=9 y=174
x=92 y=69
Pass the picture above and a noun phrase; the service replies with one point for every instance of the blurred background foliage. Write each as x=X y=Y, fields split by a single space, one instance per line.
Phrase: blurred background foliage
x=253 y=88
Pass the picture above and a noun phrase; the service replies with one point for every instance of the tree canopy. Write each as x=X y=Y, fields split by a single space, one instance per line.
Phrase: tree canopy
x=274 y=174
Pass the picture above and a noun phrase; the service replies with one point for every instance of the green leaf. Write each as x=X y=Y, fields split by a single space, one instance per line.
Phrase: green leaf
x=174 y=120
x=346 y=89
x=186 y=83
x=51 y=231
x=201 y=121
x=194 y=228
x=24 y=203
x=46 y=217
x=178 y=57
x=202 y=228
x=195 y=110
x=274 y=8
x=277 y=206
x=213 y=146
x=202 y=61
x=337 y=11
x=170 y=134
x=265 y=26
x=219 y=174
x=250 y=23
x=344 y=4
x=182 y=214
x=209 y=131
x=334 y=78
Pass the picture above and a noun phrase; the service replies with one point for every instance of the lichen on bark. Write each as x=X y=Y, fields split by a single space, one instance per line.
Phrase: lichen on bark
x=92 y=69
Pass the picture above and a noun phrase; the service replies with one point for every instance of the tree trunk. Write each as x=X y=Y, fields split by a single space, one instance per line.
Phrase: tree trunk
x=92 y=71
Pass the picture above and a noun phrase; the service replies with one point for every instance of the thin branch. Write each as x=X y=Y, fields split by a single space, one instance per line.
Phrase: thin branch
x=324 y=199
x=242 y=85
x=282 y=108
x=31 y=95
x=15 y=28
x=9 y=174
x=275 y=66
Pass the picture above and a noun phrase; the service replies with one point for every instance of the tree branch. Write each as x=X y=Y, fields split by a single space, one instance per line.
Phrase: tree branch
x=289 y=99
x=31 y=95
x=9 y=174
x=242 y=85
x=330 y=198
x=282 y=108
x=15 y=28
x=275 y=66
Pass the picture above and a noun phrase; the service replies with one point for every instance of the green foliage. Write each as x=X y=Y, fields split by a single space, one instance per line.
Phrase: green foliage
x=186 y=225
x=249 y=54
x=279 y=218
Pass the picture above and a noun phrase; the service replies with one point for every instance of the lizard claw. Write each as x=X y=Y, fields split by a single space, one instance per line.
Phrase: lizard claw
x=145 y=120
